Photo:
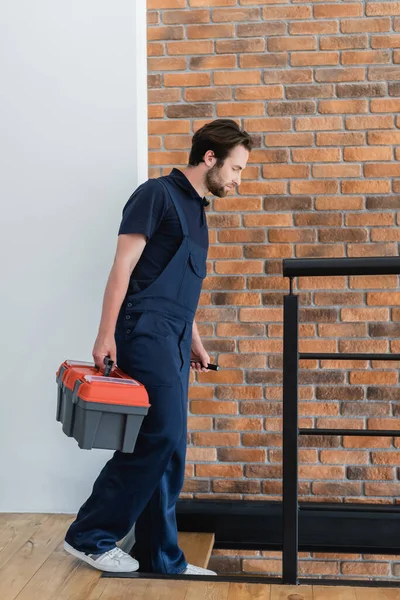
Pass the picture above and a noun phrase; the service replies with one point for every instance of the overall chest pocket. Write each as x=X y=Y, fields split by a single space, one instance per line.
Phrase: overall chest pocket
x=198 y=264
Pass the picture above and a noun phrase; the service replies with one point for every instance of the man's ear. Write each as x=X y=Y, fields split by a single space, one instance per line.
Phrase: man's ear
x=209 y=158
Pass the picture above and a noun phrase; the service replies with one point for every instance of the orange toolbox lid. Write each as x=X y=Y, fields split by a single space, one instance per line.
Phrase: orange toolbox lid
x=118 y=389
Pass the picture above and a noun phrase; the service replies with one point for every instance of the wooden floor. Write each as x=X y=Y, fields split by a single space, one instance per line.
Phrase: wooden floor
x=34 y=566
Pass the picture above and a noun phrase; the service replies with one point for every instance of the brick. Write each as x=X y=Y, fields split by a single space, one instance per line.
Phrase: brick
x=239 y=109
x=195 y=32
x=318 y=472
x=370 y=122
x=325 y=283
x=318 y=123
x=329 y=171
x=313 y=27
x=261 y=29
x=384 y=137
x=286 y=172
x=344 y=42
x=337 y=489
x=165 y=33
x=216 y=439
x=166 y=64
x=365 y=409
x=343 y=235
x=246 y=455
x=291 y=108
x=382 y=489
x=333 y=11
x=219 y=470
x=288 y=139
x=290 y=44
x=154 y=142
x=264 y=471
x=233 y=204
x=339 y=393
x=186 y=79
x=209 y=3
x=237 y=77
x=229 y=15
x=266 y=188
x=238 y=392
x=343 y=457
x=314 y=187
x=155 y=49
x=284 y=203
x=381 y=170
x=335 y=75
x=370 y=153
x=366 y=57
x=220 y=408
x=269 y=123
x=155 y=111
x=384 y=423
x=382 y=8
x=343 y=106
x=340 y=139
x=211 y=94
x=164 y=95
x=377 y=186
x=201 y=454
x=154 y=81
x=384 y=330
x=364 y=314
x=360 y=90
x=173 y=17
x=248 y=61
x=339 y=203
x=156 y=4
x=385 y=41
x=242 y=266
x=325 y=299
x=191 y=485
x=316 y=155
x=191 y=48
x=383 y=298
x=314 y=315
x=309 y=59
x=319 y=251
x=385 y=458
x=373 y=281
x=384 y=73
x=168 y=158
x=259 y=93
x=199 y=423
x=242 y=361
x=381 y=249
x=213 y=62
x=385 y=105
x=277 y=13
x=238 y=46
x=153 y=18
x=369 y=377
x=394 y=89
x=319 y=441
x=289 y=76
x=365 y=25
x=365 y=568
x=238 y=424
x=383 y=202
x=309 y=91
x=242 y=236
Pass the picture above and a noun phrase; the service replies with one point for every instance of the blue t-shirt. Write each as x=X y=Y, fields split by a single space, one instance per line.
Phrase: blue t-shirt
x=150 y=211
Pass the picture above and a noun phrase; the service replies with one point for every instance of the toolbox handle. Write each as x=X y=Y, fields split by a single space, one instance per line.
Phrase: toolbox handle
x=109 y=365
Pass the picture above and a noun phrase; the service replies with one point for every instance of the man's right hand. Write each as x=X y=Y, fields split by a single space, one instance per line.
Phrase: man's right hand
x=104 y=346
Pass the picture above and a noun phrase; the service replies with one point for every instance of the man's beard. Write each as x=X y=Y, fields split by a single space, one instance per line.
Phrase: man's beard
x=214 y=183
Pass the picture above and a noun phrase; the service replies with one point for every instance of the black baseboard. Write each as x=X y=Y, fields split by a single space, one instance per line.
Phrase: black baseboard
x=254 y=525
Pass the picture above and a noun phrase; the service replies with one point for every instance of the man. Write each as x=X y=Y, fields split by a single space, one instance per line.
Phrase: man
x=148 y=326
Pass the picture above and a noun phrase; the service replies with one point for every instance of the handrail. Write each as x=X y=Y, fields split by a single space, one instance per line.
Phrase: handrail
x=313 y=267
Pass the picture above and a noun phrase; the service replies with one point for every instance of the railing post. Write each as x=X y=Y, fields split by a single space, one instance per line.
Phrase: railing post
x=290 y=438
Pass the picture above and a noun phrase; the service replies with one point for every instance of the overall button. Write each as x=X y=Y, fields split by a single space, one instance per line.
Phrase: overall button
x=128 y=317
x=129 y=304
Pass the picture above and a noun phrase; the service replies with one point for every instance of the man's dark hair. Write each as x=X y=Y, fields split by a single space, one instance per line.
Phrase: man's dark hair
x=220 y=136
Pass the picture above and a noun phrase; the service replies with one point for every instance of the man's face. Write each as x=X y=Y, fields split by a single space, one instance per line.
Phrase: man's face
x=220 y=180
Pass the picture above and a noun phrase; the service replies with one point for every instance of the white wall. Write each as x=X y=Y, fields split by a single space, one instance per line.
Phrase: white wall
x=73 y=147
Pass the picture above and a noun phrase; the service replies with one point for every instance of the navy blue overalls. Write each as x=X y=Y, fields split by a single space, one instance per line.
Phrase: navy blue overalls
x=153 y=336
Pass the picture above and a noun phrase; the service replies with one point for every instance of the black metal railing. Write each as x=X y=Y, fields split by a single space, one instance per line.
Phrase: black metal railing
x=326 y=267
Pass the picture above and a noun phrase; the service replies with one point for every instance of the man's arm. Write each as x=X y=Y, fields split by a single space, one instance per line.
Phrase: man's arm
x=199 y=357
x=129 y=250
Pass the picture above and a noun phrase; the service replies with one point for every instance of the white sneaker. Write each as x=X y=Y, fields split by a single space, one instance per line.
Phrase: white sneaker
x=193 y=570
x=113 y=561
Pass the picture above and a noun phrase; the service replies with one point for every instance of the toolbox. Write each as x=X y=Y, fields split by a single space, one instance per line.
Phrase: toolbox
x=100 y=411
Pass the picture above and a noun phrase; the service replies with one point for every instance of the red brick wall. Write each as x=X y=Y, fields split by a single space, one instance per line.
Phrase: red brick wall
x=318 y=84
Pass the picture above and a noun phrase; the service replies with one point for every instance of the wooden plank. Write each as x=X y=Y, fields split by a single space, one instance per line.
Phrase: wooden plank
x=291 y=592
x=322 y=592
x=121 y=589
x=16 y=573
x=16 y=530
x=249 y=591
x=157 y=589
x=84 y=583
x=49 y=580
x=377 y=593
x=197 y=547
x=207 y=590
